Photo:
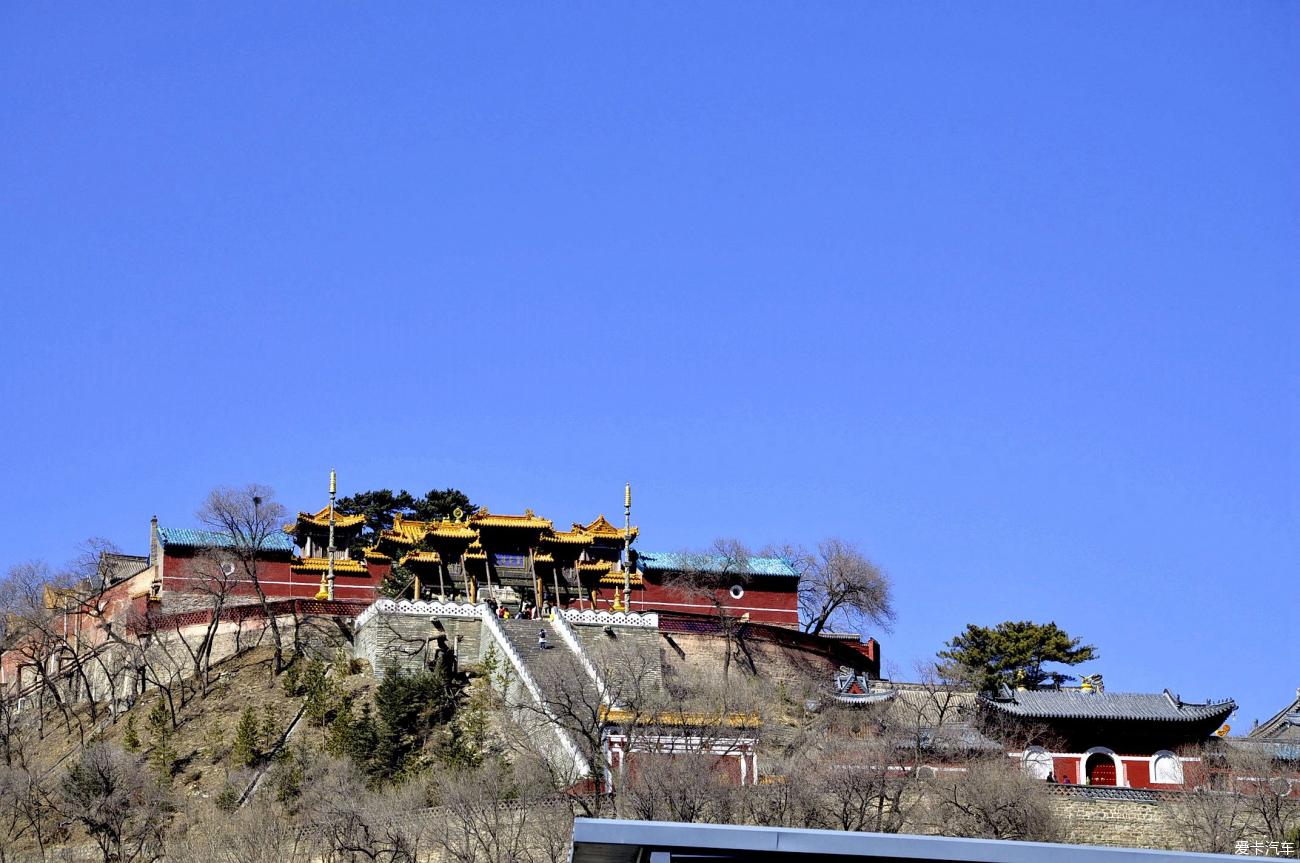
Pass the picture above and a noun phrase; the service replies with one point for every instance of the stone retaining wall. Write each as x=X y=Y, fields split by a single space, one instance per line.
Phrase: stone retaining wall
x=408 y=642
x=1116 y=823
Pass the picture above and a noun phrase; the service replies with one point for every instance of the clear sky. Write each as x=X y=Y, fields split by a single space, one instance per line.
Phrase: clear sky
x=1005 y=293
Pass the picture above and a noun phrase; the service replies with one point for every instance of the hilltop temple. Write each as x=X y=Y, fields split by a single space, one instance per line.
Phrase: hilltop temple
x=511 y=560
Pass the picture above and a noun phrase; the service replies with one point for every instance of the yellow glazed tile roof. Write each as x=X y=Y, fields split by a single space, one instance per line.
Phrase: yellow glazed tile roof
x=595 y=565
x=452 y=530
x=543 y=557
x=420 y=557
x=567 y=537
x=682 y=718
x=321 y=519
x=483 y=518
x=603 y=529
x=321 y=564
x=616 y=579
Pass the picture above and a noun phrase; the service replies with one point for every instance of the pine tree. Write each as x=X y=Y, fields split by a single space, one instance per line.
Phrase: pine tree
x=163 y=755
x=1013 y=653
x=270 y=731
x=131 y=738
x=410 y=707
x=321 y=692
x=245 y=751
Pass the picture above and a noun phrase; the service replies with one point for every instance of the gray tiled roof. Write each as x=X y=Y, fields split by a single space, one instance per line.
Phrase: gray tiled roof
x=114 y=567
x=1283 y=726
x=1073 y=704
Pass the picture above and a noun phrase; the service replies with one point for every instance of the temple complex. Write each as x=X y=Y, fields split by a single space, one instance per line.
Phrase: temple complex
x=509 y=559
x=1092 y=737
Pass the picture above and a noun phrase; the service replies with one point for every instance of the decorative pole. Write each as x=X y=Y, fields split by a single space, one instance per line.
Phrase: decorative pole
x=333 y=489
x=627 y=545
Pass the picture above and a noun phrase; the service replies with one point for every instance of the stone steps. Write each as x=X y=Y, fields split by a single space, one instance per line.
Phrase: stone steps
x=556 y=670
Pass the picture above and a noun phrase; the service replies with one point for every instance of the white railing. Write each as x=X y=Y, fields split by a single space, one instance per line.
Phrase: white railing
x=641 y=619
x=421 y=607
x=489 y=618
x=570 y=638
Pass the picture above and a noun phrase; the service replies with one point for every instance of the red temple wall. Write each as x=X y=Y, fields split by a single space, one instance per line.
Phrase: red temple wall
x=278 y=580
x=763 y=602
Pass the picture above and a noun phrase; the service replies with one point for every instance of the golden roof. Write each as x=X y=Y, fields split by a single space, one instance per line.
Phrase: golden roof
x=616 y=579
x=54 y=597
x=602 y=528
x=451 y=530
x=406 y=532
x=681 y=718
x=409 y=531
x=529 y=520
x=322 y=564
x=420 y=557
x=543 y=557
x=321 y=519
x=475 y=555
x=376 y=555
x=595 y=565
x=567 y=537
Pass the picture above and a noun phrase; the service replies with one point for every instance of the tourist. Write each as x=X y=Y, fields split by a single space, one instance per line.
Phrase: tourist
x=541 y=640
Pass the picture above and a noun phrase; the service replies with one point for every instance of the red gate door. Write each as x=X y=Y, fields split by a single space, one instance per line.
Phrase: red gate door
x=1101 y=769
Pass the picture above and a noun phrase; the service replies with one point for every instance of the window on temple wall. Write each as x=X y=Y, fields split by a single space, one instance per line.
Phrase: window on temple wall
x=737 y=591
x=1036 y=762
x=1166 y=768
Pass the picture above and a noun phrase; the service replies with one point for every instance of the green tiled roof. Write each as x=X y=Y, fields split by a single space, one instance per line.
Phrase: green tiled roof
x=181 y=537
x=677 y=562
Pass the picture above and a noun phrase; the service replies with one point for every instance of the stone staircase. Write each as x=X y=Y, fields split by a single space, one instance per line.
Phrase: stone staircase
x=558 y=672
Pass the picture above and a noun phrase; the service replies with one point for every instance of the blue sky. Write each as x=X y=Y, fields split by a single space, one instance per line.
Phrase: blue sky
x=1006 y=294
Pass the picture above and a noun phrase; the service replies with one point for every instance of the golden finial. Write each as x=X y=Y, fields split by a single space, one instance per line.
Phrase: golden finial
x=627 y=495
x=333 y=482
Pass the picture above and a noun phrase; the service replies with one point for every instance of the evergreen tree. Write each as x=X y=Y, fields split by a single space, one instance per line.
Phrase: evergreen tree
x=321 y=692
x=1012 y=654
x=245 y=751
x=353 y=737
x=409 y=707
x=163 y=755
x=270 y=730
x=381 y=505
x=131 y=738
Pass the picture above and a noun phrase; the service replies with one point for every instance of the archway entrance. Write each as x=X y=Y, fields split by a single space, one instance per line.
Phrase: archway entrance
x=1100 y=769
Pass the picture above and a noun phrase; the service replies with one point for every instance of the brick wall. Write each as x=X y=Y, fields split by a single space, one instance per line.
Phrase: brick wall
x=634 y=648
x=1117 y=823
x=408 y=641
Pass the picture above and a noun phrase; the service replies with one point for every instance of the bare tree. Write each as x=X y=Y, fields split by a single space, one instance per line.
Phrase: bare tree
x=1207 y=819
x=41 y=622
x=792 y=799
x=992 y=799
x=1260 y=777
x=260 y=833
x=117 y=802
x=677 y=788
x=351 y=823
x=705 y=579
x=1240 y=791
x=26 y=814
x=249 y=517
x=837 y=582
x=500 y=813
